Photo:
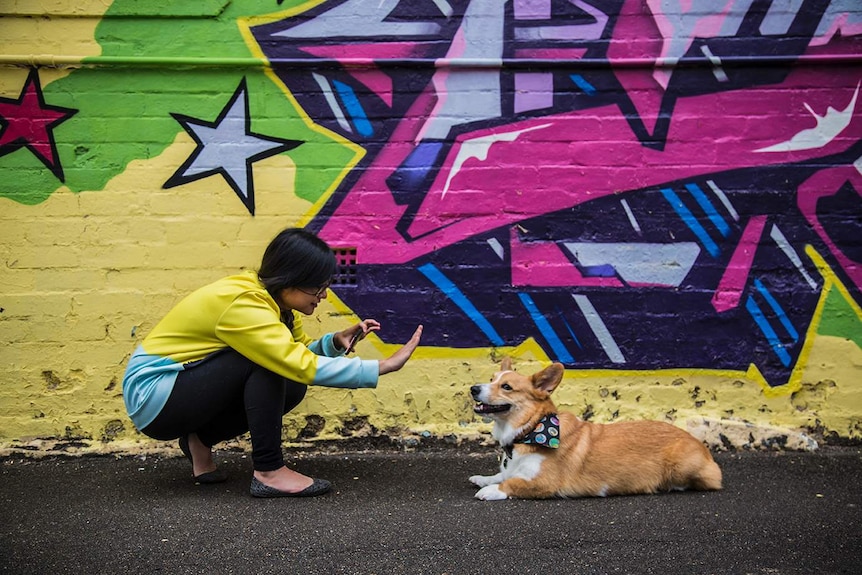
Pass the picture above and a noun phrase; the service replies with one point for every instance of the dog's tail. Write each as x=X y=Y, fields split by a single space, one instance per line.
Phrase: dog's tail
x=708 y=477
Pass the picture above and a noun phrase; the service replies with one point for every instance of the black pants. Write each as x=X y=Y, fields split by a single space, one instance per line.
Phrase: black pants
x=224 y=396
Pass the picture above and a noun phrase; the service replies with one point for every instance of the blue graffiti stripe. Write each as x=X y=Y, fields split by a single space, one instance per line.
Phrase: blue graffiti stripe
x=776 y=307
x=767 y=330
x=691 y=221
x=457 y=296
x=706 y=206
x=546 y=329
x=582 y=83
x=354 y=108
x=569 y=328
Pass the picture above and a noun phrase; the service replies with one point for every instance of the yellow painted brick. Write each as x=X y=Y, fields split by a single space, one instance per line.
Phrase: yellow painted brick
x=143 y=230
x=105 y=231
x=46 y=318
x=189 y=255
x=31 y=306
x=55 y=7
x=44 y=257
x=214 y=193
x=116 y=256
x=103 y=304
x=60 y=330
x=260 y=231
x=155 y=281
x=24 y=281
x=13 y=331
x=241 y=257
x=101 y=361
x=61 y=203
x=54 y=231
x=12 y=236
x=199 y=229
x=107 y=203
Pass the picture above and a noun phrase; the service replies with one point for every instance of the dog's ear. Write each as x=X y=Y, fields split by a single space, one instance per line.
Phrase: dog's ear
x=549 y=378
x=506 y=364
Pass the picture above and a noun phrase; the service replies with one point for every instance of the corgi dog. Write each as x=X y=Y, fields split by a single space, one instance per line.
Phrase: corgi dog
x=551 y=454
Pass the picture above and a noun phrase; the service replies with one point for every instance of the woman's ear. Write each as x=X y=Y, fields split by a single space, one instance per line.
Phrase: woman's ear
x=280 y=300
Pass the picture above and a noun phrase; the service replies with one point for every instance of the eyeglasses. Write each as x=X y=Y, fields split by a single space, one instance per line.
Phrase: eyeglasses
x=321 y=291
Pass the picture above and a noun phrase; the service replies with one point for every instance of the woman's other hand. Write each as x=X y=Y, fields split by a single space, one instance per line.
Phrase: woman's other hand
x=348 y=338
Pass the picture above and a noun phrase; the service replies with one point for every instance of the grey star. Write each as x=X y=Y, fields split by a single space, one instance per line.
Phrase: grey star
x=228 y=147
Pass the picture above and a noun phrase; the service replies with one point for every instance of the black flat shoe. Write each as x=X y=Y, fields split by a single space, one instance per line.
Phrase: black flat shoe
x=319 y=487
x=217 y=476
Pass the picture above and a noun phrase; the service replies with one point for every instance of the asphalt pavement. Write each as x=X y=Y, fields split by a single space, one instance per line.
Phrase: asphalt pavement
x=397 y=512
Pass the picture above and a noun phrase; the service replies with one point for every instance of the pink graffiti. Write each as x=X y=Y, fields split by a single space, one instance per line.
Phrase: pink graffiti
x=735 y=277
x=826 y=183
x=544 y=264
x=563 y=160
x=366 y=54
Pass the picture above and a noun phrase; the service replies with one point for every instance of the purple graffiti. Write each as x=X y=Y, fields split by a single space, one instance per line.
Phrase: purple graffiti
x=633 y=185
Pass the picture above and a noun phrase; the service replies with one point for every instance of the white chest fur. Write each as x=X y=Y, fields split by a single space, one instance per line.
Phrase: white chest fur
x=525 y=466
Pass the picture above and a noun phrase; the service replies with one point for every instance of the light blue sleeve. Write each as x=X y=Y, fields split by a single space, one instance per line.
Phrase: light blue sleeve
x=349 y=373
x=325 y=346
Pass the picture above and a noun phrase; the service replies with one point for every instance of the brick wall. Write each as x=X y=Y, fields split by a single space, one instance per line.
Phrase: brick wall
x=665 y=197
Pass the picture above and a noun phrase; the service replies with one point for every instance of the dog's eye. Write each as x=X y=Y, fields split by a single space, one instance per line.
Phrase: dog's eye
x=507 y=387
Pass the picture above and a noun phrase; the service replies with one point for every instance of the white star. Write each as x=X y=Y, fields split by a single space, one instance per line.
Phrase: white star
x=228 y=147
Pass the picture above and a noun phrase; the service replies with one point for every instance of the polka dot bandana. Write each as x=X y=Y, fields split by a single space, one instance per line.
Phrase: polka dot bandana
x=546 y=433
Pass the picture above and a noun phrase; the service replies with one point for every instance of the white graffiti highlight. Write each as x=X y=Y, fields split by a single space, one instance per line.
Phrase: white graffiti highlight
x=465 y=98
x=681 y=22
x=444 y=7
x=497 y=247
x=332 y=102
x=781 y=240
x=779 y=17
x=632 y=219
x=590 y=31
x=724 y=199
x=653 y=264
x=827 y=129
x=599 y=329
x=477 y=148
x=717 y=70
x=362 y=18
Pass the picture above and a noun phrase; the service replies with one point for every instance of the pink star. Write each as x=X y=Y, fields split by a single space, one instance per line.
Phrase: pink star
x=28 y=123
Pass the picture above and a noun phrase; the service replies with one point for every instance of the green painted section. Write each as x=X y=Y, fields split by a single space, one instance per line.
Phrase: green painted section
x=840 y=320
x=124 y=112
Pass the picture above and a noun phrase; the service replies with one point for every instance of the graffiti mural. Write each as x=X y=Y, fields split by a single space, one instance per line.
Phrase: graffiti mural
x=635 y=185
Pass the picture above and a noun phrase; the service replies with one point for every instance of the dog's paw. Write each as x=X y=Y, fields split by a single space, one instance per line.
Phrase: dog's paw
x=483 y=480
x=480 y=480
x=491 y=493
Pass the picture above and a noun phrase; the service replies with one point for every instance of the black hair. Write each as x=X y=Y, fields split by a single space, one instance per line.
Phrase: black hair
x=295 y=258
